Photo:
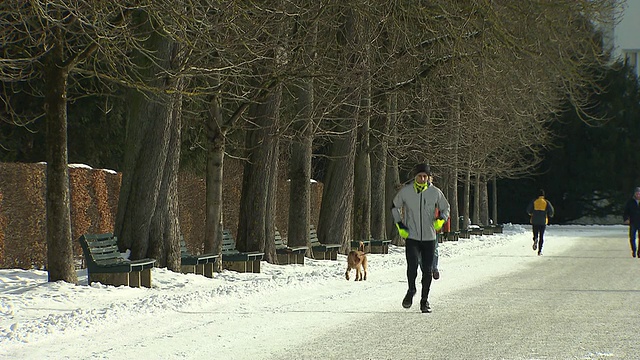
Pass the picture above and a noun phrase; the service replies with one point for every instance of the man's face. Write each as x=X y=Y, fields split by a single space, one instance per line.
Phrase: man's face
x=422 y=178
x=637 y=195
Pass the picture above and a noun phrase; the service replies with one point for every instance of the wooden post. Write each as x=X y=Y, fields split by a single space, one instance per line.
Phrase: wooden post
x=209 y=269
x=145 y=278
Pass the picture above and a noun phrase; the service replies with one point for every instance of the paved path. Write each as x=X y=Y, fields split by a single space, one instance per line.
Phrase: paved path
x=578 y=301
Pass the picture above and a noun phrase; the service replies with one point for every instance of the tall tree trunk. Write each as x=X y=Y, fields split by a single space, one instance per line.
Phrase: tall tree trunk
x=467 y=199
x=216 y=133
x=60 y=265
x=270 y=216
x=392 y=176
x=453 y=182
x=334 y=225
x=475 y=218
x=261 y=147
x=147 y=215
x=302 y=142
x=362 y=170
x=453 y=198
x=484 y=200
x=379 y=146
x=494 y=200
x=300 y=166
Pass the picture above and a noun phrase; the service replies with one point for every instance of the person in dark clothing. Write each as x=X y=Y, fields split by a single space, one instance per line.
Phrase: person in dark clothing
x=540 y=210
x=414 y=214
x=631 y=217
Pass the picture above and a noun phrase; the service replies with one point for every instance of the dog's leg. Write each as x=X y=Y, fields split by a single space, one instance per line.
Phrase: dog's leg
x=346 y=273
x=364 y=266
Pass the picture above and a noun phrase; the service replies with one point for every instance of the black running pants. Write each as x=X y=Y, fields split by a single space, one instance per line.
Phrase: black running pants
x=538 y=233
x=416 y=252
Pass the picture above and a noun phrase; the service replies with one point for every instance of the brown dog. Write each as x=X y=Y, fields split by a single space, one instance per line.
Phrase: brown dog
x=357 y=260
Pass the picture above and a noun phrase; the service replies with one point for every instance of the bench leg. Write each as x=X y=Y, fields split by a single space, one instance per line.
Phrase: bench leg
x=134 y=279
x=283 y=259
x=255 y=266
x=300 y=259
x=239 y=266
x=115 y=279
x=200 y=269
x=145 y=278
x=188 y=269
x=208 y=270
x=334 y=255
x=140 y=278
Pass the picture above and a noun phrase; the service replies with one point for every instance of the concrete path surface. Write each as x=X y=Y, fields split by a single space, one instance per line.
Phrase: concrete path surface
x=580 y=300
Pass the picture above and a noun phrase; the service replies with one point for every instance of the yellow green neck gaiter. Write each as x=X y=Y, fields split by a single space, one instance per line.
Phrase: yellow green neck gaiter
x=420 y=187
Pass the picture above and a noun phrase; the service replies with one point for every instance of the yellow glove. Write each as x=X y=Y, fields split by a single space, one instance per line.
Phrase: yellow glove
x=437 y=224
x=402 y=230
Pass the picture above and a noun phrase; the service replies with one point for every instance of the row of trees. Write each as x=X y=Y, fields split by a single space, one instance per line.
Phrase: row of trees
x=590 y=172
x=465 y=85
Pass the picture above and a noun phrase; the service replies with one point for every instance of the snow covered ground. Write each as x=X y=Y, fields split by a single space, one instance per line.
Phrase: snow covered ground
x=284 y=304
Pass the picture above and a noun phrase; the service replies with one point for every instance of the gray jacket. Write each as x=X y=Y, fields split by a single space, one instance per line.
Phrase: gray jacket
x=417 y=210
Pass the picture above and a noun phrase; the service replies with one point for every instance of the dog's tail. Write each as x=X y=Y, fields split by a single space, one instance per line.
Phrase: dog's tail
x=361 y=246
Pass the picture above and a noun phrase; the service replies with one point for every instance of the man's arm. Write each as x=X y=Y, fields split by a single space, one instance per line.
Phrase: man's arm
x=550 y=210
x=397 y=205
x=444 y=207
x=398 y=202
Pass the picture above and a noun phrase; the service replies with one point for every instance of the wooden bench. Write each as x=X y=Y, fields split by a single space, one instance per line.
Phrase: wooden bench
x=322 y=251
x=487 y=230
x=373 y=246
x=452 y=235
x=288 y=255
x=464 y=234
x=106 y=265
x=476 y=231
x=232 y=259
x=202 y=264
x=380 y=246
x=497 y=228
x=355 y=245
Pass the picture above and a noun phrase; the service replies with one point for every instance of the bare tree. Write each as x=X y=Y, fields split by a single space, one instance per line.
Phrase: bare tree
x=334 y=225
x=45 y=46
x=304 y=127
x=152 y=151
x=256 y=226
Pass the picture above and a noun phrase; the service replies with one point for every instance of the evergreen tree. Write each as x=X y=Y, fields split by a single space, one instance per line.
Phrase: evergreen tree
x=590 y=171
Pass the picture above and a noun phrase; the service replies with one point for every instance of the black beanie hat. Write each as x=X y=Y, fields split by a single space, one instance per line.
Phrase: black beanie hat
x=421 y=168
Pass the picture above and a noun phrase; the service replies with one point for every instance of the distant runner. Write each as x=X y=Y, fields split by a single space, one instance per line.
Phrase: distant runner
x=631 y=217
x=540 y=210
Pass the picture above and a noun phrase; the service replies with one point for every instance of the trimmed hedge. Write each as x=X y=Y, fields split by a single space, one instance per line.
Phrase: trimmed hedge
x=94 y=200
